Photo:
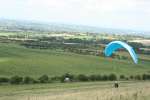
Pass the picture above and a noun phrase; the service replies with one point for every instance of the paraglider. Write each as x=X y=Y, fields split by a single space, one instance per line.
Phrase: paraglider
x=115 y=45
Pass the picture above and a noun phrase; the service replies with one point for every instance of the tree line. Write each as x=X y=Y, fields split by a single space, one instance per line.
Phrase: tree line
x=71 y=78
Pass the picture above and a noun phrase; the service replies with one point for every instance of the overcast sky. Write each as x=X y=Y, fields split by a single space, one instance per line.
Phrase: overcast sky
x=125 y=14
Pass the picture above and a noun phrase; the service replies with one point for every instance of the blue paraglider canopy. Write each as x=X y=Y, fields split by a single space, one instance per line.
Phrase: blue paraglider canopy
x=115 y=45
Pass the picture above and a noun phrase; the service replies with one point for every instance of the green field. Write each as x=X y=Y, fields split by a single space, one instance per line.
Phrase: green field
x=18 y=60
x=77 y=91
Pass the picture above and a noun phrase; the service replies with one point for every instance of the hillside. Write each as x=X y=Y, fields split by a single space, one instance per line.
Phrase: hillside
x=18 y=60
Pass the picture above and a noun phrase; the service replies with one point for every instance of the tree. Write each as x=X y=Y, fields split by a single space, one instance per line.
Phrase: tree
x=4 y=80
x=28 y=80
x=105 y=78
x=138 y=77
x=82 y=77
x=112 y=77
x=122 y=77
x=16 y=80
x=44 y=79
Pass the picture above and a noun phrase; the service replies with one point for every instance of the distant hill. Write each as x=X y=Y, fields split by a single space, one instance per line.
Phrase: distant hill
x=20 y=25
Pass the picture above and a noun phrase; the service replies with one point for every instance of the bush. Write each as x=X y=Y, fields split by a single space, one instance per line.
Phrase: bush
x=126 y=78
x=138 y=77
x=70 y=76
x=4 y=80
x=28 y=80
x=92 y=77
x=62 y=78
x=98 y=77
x=82 y=77
x=16 y=80
x=44 y=79
x=55 y=78
x=146 y=77
x=122 y=77
x=105 y=78
x=112 y=77
x=131 y=77
x=95 y=77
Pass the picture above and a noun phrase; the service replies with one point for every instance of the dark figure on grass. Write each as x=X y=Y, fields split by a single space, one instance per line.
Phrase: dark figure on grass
x=116 y=85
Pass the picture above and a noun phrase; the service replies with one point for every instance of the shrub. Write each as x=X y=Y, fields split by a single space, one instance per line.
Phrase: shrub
x=131 y=77
x=137 y=77
x=98 y=77
x=146 y=77
x=112 y=77
x=4 y=79
x=62 y=78
x=28 y=80
x=95 y=77
x=126 y=78
x=55 y=78
x=82 y=77
x=122 y=77
x=16 y=80
x=105 y=78
x=44 y=79
x=92 y=77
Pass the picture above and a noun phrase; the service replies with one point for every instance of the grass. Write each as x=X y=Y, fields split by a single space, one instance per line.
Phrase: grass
x=18 y=60
x=77 y=91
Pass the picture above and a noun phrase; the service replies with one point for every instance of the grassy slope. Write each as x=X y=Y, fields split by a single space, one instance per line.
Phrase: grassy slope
x=17 y=60
x=77 y=91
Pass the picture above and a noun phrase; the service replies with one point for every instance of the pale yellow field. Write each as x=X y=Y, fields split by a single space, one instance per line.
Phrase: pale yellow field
x=87 y=91
x=144 y=42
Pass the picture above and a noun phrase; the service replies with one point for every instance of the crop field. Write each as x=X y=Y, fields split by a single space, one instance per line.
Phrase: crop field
x=6 y=34
x=145 y=42
x=77 y=91
x=18 y=60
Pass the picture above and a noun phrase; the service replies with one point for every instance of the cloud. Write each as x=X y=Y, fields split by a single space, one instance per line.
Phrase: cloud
x=107 y=13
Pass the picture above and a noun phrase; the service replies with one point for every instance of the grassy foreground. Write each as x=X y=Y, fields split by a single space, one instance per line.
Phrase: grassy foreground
x=18 y=60
x=77 y=91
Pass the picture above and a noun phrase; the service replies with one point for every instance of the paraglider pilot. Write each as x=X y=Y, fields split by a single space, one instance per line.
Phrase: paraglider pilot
x=116 y=85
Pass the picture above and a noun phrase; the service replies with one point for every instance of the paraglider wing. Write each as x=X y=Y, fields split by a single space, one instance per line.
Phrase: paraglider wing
x=115 y=45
